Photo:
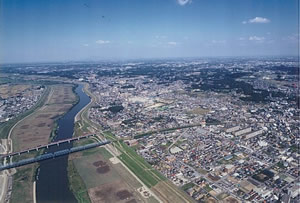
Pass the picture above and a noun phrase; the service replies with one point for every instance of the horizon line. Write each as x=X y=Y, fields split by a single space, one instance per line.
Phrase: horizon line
x=141 y=58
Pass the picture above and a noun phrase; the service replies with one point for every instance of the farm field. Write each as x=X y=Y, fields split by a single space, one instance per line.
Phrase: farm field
x=101 y=179
x=10 y=90
x=35 y=130
x=154 y=180
x=159 y=184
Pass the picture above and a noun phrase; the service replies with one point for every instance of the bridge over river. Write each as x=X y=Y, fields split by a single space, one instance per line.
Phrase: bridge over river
x=47 y=145
x=52 y=155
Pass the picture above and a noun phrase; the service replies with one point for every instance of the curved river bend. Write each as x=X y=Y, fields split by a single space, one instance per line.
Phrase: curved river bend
x=52 y=180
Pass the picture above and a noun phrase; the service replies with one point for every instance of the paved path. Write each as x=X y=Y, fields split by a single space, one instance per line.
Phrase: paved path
x=34 y=192
x=5 y=173
x=3 y=187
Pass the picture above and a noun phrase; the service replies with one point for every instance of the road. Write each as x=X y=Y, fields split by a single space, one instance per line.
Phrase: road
x=174 y=142
x=6 y=174
x=109 y=148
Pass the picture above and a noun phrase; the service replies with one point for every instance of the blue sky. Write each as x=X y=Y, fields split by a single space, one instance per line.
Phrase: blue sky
x=63 y=30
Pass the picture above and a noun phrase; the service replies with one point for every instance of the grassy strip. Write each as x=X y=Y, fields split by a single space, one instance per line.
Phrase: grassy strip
x=6 y=126
x=109 y=135
x=142 y=161
x=22 y=185
x=141 y=168
x=54 y=131
x=77 y=185
x=164 y=130
x=187 y=186
x=144 y=176
x=100 y=150
x=130 y=151
x=207 y=188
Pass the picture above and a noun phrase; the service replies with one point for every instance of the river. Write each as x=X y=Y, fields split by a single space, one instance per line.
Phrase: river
x=52 y=179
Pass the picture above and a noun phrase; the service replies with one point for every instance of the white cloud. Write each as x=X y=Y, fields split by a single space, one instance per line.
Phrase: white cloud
x=219 y=41
x=160 y=37
x=293 y=37
x=172 y=43
x=102 y=41
x=257 y=20
x=255 y=38
x=85 y=45
x=241 y=38
x=183 y=2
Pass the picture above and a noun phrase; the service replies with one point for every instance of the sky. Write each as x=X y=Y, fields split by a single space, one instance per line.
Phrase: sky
x=83 y=30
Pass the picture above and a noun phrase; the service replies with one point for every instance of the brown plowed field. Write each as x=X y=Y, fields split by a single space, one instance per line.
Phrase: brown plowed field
x=36 y=128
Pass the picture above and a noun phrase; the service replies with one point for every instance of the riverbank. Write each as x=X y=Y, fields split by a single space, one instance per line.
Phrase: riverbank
x=33 y=130
x=52 y=182
x=93 y=99
x=82 y=187
x=7 y=126
x=7 y=174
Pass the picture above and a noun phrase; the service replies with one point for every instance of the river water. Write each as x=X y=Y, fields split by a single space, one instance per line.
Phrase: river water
x=52 y=180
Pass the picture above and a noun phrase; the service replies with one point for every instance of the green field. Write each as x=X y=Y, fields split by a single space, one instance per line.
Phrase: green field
x=100 y=150
x=88 y=172
x=142 y=169
x=22 y=184
x=77 y=185
x=145 y=177
x=187 y=186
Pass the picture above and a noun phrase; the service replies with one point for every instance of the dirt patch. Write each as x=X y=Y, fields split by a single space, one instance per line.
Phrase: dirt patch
x=62 y=109
x=199 y=111
x=103 y=169
x=167 y=194
x=7 y=91
x=123 y=194
x=24 y=127
x=41 y=125
x=31 y=139
x=116 y=192
x=213 y=178
x=108 y=185
x=230 y=200
x=99 y=163
x=211 y=200
x=43 y=115
x=104 y=193
x=131 y=201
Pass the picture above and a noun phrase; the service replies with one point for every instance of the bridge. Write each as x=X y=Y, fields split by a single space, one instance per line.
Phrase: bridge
x=46 y=146
x=52 y=155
